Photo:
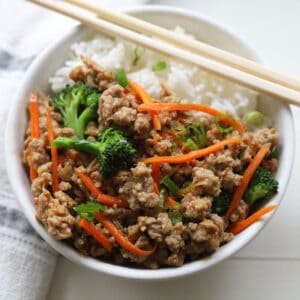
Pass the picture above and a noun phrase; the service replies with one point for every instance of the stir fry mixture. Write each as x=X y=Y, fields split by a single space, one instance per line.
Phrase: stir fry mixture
x=146 y=182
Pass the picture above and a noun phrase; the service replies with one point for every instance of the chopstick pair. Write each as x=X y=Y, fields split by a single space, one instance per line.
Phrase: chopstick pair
x=211 y=59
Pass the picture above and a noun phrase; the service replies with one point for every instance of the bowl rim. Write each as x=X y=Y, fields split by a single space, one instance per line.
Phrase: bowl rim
x=12 y=163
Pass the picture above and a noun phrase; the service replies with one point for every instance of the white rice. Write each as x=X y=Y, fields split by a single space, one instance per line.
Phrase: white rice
x=190 y=83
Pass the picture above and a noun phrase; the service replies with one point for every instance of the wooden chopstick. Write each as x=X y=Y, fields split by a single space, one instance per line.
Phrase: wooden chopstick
x=285 y=94
x=187 y=43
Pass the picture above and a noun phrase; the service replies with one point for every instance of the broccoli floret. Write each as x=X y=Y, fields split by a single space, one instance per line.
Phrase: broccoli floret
x=262 y=185
x=78 y=105
x=220 y=204
x=114 y=151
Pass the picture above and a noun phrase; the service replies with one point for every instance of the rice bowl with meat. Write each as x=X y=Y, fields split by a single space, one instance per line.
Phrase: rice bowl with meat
x=125 y=170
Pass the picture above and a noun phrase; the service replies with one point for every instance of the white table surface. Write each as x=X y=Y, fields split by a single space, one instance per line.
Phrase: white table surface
x=269 y=267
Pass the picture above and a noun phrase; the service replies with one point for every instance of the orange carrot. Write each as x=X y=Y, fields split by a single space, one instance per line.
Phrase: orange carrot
x=35 y=130
x=120 y=239
x=102 y=198
x=177 y=159
x=240 y=190
x=158 y=107
x=34 y=116
x=156 y=177
x=155 y=139
x=147 y=100
x=54 y=154
x=172 y=202
x=242 y=225
x=96 y=234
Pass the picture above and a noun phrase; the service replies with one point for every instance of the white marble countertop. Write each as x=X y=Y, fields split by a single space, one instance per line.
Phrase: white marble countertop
x=269 y=267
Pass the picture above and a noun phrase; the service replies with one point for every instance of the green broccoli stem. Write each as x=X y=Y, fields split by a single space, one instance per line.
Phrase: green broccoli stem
x=79 y=145
x=71 y=117
x=84 y=118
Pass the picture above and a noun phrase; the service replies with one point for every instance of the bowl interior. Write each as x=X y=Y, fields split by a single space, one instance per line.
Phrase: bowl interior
x=53 y=57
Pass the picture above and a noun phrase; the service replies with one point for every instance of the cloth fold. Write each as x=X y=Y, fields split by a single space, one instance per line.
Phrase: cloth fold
x=27 y=264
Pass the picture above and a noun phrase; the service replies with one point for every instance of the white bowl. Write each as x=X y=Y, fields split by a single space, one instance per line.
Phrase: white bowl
x=37 y=79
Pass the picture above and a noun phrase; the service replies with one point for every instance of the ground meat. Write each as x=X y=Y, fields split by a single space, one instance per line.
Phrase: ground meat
x=204 y=182
x=92 y=74
x=92 y=129
x=54 y=213
x=68 y=132
x=183 y=173
x=138 y=189
x=240 y=212
x=265 y=136
x=156 y=228
x=196 y=208
x=163 y=148
x=142 y=125
x=44 y=179
x=229 y=179
x=35 y=150
x=66 y=170
x=205 y=236
x=175 y=240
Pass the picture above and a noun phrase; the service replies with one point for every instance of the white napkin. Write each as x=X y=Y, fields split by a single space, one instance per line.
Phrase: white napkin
x=27 y=264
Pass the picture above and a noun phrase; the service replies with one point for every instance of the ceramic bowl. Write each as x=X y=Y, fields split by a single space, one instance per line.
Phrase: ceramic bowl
x=37 y=79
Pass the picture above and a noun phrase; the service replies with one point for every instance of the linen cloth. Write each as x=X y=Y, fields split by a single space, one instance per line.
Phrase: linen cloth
x=27 y=264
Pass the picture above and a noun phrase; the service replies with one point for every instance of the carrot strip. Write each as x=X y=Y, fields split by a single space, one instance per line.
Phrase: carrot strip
x=120 y=239
x=102 y=198
x=158 y=107
x=240 y=190
x=54 y=153
x=147 y=100
x=156 y=177
x=96 y=234
x=155 y=139
x=34 y=116
x=242 y=225
x=172 y=202
x=35 y=130
x=177 y=159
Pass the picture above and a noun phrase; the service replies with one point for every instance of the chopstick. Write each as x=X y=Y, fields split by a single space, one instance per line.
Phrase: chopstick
x=187 y=43
x=275 y=89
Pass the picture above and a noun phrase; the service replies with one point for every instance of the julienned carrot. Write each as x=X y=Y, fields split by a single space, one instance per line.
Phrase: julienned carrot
x=177 y=159
x=156 y=177
x=240 y=190
x=102 y=198
x=120 y=239
x=157 y=107
x=54 y=154
x=96 y=234
x=34 y=129
x=34 y=116
x=172 y=202
x=155 y=139
x=240 y=226
x=147 y=100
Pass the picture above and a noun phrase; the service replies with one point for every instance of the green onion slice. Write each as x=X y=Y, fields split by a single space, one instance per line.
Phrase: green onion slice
x=175 y=216
x=121 y=78
x=171 y=185
x=162 y=197
x=190 y=144
x=159 y=66
x=274 y=152
x=137 y=56
x=218 y=119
